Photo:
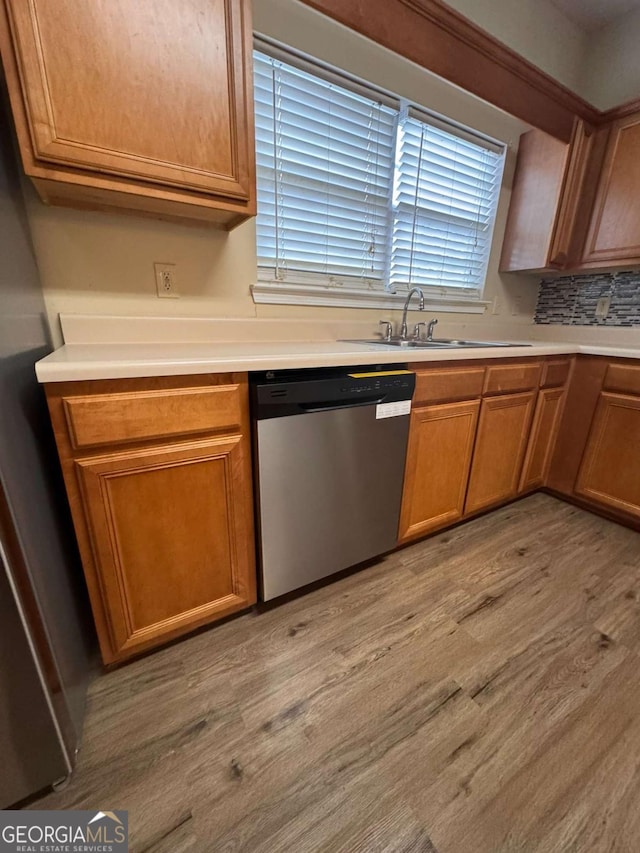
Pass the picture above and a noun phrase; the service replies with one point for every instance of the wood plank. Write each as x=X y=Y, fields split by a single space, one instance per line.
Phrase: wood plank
x=476 y=692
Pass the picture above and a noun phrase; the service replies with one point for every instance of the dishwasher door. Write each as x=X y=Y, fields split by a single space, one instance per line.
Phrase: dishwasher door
x=329 y=492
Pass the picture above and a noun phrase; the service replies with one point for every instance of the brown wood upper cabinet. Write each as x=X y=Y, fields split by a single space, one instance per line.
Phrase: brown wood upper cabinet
x=144 y=106
x=158 y=475
x=613 y=238
x=545 y=225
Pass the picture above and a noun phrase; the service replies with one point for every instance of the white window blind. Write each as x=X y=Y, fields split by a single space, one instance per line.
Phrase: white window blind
x=445 y=197
x=361 y=190
x=325 y=171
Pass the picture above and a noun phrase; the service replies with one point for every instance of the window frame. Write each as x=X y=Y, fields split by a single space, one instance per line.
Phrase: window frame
x=300 y=288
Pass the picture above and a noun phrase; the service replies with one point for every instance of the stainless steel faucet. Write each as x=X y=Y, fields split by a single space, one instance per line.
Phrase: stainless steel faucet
x=416 y=330
x=403 y=328
x=388 y=329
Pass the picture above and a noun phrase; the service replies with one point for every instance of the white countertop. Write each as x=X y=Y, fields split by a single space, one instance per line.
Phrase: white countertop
x=120 y=361
x=144 y=347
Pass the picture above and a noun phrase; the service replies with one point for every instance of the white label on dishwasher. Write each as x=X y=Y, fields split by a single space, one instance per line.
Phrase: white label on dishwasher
x=393 y=410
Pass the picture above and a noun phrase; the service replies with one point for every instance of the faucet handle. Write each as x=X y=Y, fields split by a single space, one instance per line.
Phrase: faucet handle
x=416 y=330
x=386 y=334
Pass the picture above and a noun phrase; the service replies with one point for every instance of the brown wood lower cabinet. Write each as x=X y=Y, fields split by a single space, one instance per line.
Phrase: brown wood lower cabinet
x=542 y=439
x=158 y=474
x=610 y=471
x=501 y=443
x=164 y=522
x=438 y=462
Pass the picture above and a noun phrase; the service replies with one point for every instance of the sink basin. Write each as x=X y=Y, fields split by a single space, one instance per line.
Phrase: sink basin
x=404 y=344
x=436 y=343
x=457 y=343
x=398 y=343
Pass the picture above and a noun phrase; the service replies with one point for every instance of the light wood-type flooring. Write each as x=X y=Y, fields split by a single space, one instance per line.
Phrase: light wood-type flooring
x=478 y=692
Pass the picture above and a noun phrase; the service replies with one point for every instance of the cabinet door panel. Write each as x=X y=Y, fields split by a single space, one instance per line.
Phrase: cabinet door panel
x=438 y=460
x=153 y=90
x=540 y=171
x=541 y=442
x=610 y=471
x=614 y=233
x=546 y=226
x=500 y=446
x=571 y=223
x=172 y=540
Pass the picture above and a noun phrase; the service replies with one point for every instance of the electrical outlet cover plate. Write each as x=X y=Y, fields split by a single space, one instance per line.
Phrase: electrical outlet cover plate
x=166 y=284
x=602 y=307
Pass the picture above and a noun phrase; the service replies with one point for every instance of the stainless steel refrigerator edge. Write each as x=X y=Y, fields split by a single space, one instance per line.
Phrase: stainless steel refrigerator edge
x=45 y=642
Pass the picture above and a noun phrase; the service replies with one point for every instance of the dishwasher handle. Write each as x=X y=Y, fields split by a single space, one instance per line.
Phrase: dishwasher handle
x=312 y=408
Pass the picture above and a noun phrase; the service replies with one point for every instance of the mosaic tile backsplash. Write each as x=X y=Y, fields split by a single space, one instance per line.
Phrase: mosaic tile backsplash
x=572 y=300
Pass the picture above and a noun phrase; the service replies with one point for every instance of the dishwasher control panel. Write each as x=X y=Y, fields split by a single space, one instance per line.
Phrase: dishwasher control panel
x=281 y=393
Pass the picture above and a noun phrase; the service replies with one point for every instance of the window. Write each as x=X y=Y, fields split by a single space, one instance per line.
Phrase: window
x=364 y=194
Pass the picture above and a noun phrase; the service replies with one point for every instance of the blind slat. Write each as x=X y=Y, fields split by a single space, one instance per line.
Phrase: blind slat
x=354 y=189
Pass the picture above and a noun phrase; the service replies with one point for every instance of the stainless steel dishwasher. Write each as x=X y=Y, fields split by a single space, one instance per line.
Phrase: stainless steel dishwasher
x=330 y=448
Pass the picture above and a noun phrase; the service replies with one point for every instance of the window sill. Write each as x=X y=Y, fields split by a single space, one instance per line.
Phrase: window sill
x=279 y=293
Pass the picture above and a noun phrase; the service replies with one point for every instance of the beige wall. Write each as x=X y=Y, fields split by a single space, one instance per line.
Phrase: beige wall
x=601 y=66
x=536 y=30
x=103 y=264
x=612 y=74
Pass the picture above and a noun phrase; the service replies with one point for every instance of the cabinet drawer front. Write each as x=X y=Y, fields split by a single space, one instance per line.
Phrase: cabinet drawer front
x=624 y=378
x=448 y=384
x=102 y=419
x=555 y=373
x=505 y=378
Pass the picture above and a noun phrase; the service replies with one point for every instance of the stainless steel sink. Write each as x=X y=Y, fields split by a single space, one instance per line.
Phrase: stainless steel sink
x=457 y=343
x=400 y=343
x=436 y=343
